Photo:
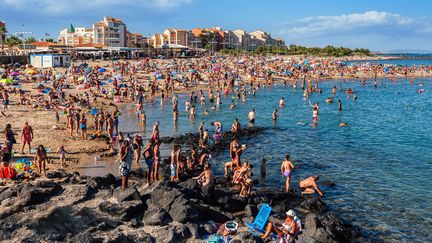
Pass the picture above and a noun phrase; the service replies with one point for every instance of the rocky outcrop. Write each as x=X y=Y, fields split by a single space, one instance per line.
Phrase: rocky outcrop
x=76 y=208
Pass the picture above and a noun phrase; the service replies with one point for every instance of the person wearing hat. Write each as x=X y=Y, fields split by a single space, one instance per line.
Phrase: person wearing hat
x=297 y=220
x=286 y=231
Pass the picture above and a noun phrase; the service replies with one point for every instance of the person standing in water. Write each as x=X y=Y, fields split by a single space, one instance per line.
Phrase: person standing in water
x=339 y=105
x=286 y=169
x=275 y=115
x=251 y=116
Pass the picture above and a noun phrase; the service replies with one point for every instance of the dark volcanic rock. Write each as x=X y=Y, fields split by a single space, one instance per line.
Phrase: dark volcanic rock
x=83 y=238
x=32 y=195
x=125 y=210
x=104 y=182
x=156 y=216
x=312 y=205
x=57 y=174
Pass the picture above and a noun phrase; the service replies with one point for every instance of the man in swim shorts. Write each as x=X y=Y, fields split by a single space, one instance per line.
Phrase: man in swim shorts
x=309 y=186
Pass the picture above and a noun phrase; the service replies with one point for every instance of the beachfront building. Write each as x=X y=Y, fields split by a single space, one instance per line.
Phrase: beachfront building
x=157 y=40
x=134 y=40
x=241 y=40
x=75 y=36
x=49 y=60
x=110 y=32
x=213 y=38
x=176 y=36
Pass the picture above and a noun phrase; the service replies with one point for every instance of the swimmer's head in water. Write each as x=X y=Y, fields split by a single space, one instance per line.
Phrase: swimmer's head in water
x=315 y=177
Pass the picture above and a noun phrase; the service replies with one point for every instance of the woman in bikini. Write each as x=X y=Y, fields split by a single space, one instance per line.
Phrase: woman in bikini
x=41 y=159
x=286 y=169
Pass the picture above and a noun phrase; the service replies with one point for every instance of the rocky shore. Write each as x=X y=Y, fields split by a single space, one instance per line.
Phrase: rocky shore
x=69 y=207
x=75 y=208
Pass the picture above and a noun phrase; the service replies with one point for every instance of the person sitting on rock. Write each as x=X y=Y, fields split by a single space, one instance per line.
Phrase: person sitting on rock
x=309 y=186
x=246 y=182
x=285 y=232
x=297 y=220
x=205 y=179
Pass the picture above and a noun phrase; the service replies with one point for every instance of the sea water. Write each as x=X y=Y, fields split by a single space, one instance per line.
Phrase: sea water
x=381 y=162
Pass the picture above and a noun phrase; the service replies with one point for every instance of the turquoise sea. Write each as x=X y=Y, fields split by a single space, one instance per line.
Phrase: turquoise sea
x=381 y=163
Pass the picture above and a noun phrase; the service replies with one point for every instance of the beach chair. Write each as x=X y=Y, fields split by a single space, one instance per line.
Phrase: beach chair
x=259 y=224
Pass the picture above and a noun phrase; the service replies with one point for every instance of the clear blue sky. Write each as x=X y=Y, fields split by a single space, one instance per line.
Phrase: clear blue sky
x=380 y=25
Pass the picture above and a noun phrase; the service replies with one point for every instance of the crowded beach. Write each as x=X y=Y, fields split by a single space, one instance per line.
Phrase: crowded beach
x=62 y=118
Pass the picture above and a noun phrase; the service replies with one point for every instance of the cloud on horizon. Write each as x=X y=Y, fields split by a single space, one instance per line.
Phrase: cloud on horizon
x=59 y=7
x=370 y=22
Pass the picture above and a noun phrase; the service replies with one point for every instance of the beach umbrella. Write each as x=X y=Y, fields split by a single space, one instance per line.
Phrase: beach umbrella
x=101 y=70
x=16 y=64
x=2 y=70
x=81 y=78
x=14 y=74
x=6 y=81
x=87 y=70
x=83 y=65
x=59 y=76
x=193 y=71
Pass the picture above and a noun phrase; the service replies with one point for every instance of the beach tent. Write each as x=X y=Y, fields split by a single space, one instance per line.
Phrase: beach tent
x=6 y=81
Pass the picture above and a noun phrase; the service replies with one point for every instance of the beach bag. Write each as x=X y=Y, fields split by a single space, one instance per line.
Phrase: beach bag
x=124 y=168
x=229 y=228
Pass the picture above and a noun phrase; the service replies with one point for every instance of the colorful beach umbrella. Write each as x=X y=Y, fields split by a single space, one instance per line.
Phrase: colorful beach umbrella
x=31 y=71
x=101 y=70
x=14 y=74
x=6 y=81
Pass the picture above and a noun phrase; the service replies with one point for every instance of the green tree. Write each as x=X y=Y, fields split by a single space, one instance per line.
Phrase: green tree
x=30 y=40
x=13 y=41
x=49 y=40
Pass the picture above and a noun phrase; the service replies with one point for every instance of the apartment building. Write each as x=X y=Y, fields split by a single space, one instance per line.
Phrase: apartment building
x=134 y=40
x=75 y=36
x=110 y=32
x=176 y=36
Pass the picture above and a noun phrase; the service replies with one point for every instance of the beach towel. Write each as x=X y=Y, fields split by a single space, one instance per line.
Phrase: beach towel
x=214 y=238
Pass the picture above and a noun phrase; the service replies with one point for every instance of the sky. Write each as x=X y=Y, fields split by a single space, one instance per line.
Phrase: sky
x=380 y=25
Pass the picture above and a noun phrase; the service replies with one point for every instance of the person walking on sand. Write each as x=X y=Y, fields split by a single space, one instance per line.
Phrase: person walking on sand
x=286 y=170
x=309 y=186
x=26 y=137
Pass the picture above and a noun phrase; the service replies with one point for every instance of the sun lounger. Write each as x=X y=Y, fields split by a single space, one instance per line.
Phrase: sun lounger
x=214 y=238
x=258 y=226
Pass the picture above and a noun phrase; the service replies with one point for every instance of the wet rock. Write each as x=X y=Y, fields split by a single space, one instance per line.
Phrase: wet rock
x=102 y=182
x=340 y=232
x=312 y=205
x=328 y=183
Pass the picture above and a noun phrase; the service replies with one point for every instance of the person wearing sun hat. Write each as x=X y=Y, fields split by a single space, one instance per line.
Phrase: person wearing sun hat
x=297 y=220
